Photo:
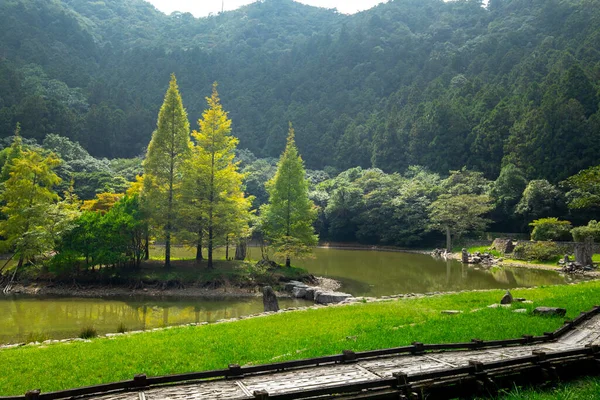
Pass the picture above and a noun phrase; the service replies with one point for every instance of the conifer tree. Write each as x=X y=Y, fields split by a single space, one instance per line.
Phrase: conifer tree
x=288 y=217
x=29 y=204
x=167 y=153
x=213 y=189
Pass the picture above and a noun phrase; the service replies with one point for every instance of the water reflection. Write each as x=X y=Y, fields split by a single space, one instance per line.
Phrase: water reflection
x=377 y=273
x=23 y=316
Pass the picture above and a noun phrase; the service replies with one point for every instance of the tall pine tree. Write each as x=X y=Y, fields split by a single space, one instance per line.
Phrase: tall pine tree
x=168 y=150
x=288 y=217
x=215 y=202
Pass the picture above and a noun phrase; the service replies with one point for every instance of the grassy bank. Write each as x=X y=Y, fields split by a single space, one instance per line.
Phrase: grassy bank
x=583 y=389
x=285 y=336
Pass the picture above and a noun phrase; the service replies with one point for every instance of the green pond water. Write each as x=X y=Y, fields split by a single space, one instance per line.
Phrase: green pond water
x=362 y=273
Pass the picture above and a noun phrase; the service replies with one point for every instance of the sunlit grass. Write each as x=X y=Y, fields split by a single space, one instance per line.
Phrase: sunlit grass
x=286 y=336
x=583 y=389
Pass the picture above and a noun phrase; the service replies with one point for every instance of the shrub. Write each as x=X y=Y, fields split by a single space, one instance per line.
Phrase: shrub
x=551 y=229
x=33 y=337
x=538 y=251
x=121 y=328
x=88 y=332
x=591 y=230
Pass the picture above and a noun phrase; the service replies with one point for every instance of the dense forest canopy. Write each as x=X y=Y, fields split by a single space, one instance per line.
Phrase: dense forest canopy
x=410 y=82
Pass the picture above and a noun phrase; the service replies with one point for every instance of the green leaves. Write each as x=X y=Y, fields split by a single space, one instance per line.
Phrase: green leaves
x=288 y=217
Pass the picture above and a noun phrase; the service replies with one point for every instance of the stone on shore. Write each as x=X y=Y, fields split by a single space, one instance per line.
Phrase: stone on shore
x=551 y=311
x=270 y=302
x=330 y=297
x=507 y=298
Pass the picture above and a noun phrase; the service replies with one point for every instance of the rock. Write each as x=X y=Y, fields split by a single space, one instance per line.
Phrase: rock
x=465 y=256
x=330 y=297
x=309 y=293
x=552 y=311
x=519 y=299
x=520 y=310
x=289 y=286
x=270 y=299
x=451 y=312
x=507 y=298
x=476 y=260
x=503 y=245
x=299 y=292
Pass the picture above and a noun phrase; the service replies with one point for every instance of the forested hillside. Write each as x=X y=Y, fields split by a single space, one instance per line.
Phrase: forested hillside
x=411 y=82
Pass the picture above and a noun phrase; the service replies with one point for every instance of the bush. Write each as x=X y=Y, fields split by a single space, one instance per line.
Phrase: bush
x=591 y=230
x=121 y=328
x=538 y=251
x=88 y=332
x=551 y=229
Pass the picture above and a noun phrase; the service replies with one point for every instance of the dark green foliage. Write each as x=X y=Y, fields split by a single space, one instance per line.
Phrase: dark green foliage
x=538 y=251
x=592 y=230
x=410 y=82
x=116 y=238
x=550 y=229
x=89 y=332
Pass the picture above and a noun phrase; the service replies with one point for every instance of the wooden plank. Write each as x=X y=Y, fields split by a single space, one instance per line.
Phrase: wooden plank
x=215 y=390
x=309 y=378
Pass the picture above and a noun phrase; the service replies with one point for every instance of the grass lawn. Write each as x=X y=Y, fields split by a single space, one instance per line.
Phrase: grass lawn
x=286 y=336
x=583 y=389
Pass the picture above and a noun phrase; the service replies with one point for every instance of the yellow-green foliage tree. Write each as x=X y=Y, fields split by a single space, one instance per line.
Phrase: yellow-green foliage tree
x=34 y=215
x=214 y=198
x=163 y=167
x=287 y=219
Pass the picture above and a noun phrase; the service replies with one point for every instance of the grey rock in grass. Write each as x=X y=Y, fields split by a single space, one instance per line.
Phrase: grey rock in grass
x=270 y=299
x=520 y=310
x=551 y=311
x=451 y=312
x=507 y=298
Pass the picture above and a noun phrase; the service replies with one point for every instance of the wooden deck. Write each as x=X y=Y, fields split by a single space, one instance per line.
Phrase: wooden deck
x=374 y=369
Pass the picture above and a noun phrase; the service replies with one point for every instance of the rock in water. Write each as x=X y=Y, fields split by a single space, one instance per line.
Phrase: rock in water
x=465 y=256
x=507 y=298
x=270 y=299
x=550 y=311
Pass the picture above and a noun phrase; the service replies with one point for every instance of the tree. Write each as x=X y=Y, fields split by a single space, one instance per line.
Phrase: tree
x=28 y=199
x=289 y=215
x=459 y=214
x=215 y=202
x=541 y=199
x=167 y=153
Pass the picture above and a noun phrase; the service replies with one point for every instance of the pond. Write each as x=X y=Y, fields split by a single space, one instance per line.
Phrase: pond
x=362 y=273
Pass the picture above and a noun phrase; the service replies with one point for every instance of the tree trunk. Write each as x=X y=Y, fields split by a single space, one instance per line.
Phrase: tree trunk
x=199 y=256
x=240 y=250
x=168 y=248
x=227 y=247
x=288 y=262
x=147 y=246
x=448 y=240
x=210 y=245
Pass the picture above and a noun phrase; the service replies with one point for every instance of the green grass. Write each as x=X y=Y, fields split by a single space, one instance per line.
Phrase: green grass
x=286 y=336
x=583 y=389
x=484 y=249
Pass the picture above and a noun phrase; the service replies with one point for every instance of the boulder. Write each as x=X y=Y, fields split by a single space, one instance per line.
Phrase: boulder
x=289 y=286
x=270 y=302
x=330 y=297
x=451 y=312
x=551 y=311
x=465 y=256
x=507 y=298
x=299 y=292
x=309 y=293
